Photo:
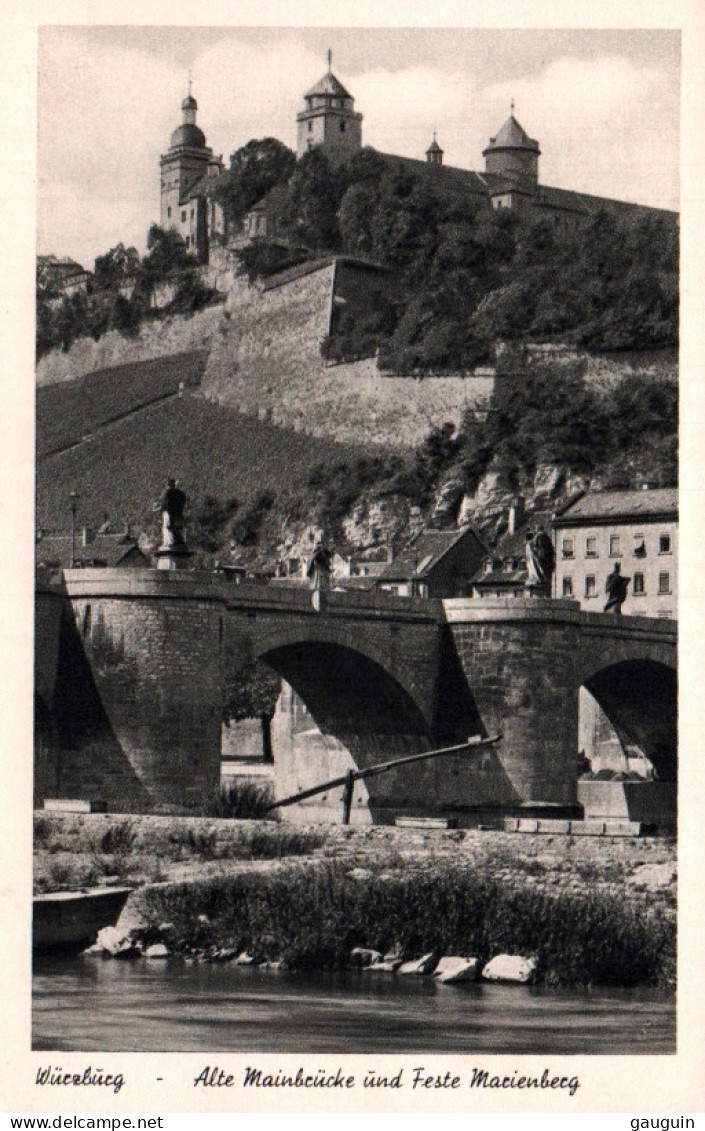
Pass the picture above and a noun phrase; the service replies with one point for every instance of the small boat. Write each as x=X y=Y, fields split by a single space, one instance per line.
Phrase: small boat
x=74 y=918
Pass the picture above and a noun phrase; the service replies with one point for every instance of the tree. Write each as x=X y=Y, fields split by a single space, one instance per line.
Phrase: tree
x=117 y=265
x=167 y=256
x=312 y=202
x=210 y=519
x=255 y=168
x=355 y=215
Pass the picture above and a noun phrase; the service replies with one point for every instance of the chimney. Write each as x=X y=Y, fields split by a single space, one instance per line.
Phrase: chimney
x=516 y=514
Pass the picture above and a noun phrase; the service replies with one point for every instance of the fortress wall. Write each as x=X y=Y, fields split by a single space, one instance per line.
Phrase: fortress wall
x=267 y=360
x=155 y=339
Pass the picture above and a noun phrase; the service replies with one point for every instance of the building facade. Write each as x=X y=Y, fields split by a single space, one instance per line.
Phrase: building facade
x=637 y=530
x=503 y=572
x=437 y=563
x=188 y=171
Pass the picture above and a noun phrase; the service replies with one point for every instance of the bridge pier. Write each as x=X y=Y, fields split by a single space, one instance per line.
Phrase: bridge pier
x=525 y=662
x=137 y=699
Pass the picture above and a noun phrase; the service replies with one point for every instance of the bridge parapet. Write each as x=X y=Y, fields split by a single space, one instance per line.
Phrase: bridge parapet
x=334 y=602
x=545 y=610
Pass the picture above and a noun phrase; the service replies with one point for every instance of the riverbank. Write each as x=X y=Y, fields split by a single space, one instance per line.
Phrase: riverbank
x=589 y=911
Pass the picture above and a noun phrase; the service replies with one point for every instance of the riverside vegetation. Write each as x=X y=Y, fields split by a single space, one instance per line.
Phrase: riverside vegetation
x=599 y=913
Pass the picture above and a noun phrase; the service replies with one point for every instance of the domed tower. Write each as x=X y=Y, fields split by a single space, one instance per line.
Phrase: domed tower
x=434 y=153
x=329 y=120
x=183 y=168
x=513 y=154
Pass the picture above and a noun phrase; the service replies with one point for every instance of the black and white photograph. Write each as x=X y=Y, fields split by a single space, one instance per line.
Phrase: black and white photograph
x=354 y=767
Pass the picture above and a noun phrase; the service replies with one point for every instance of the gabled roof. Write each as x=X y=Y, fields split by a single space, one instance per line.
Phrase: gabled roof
x=423 y=554
x=500 y=577
x=108 y=549
x=329 y=84
x=596 y=506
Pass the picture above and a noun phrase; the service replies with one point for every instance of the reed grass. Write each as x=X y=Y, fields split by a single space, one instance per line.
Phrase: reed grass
x=313 y=916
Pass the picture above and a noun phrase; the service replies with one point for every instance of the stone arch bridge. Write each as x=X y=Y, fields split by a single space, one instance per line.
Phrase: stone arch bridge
x=130 y=668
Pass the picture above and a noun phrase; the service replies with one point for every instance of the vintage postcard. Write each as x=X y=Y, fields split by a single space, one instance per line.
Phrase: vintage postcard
x=351 y=475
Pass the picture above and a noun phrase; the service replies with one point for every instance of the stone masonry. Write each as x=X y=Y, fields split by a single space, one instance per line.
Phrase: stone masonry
x=132 y=714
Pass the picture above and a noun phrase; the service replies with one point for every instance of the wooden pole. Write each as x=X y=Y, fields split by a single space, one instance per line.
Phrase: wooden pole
x=474 y=743
x=348 y=796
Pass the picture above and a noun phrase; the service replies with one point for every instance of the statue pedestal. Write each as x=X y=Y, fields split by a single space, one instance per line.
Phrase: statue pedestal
x=172 y=557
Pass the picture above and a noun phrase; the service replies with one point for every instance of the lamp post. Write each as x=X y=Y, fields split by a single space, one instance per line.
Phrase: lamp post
x=74 y=497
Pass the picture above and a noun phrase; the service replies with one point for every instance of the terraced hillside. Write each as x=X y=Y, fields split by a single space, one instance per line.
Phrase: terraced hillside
x=121 y=466
x=68 y=412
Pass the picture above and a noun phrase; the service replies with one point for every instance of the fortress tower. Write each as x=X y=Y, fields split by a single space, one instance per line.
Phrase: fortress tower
x=329 y=120
x=185 y=169
x=434 y=153
x=513 y=154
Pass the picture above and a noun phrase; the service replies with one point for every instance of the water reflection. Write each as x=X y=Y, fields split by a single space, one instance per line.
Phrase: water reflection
x=90 y=1004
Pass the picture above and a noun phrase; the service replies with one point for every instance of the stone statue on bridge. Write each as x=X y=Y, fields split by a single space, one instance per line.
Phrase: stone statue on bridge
x=540 y=559
x=173 y=550
x=173 y=506
x=616 y=588
x=319 y=566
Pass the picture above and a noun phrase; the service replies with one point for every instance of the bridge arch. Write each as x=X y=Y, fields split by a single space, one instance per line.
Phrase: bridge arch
x=342 y=709
x=385 y=646
x=639 y=696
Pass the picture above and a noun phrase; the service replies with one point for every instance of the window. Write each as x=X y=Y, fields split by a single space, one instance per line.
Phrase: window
x=591 y=546
x=638 y=587
x=188 y=241
x=615 y=546
x=342 y=127
x=664 y=614
x=192 y=213
x=639 y=546
x=183 y=214
x=168 y=212
x=568 y=548
x=568 y=586
x=310 y=127
x=664 y=543
x=664 y=583
x=590 y=585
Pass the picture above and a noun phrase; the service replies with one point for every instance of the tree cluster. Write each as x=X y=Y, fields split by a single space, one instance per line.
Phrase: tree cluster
x=121 y=294
x=469 y=275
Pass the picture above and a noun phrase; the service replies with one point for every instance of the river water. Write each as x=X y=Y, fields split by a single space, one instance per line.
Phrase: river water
x=88 y=1003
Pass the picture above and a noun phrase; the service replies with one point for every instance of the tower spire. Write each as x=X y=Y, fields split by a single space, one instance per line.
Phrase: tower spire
x=190 y=81
x=330 y=60
x=511 y=106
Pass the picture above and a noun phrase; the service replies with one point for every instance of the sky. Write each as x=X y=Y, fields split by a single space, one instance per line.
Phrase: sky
x=604 y=106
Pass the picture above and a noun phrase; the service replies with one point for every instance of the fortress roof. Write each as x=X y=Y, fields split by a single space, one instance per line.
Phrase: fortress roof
x=513 y=136
x=329 y=84
x=188 y=134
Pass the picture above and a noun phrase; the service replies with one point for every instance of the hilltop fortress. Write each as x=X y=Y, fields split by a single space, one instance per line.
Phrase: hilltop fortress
x=329 y=122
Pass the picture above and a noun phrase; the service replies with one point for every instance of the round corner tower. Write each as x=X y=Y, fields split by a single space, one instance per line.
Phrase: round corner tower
x=512 y=153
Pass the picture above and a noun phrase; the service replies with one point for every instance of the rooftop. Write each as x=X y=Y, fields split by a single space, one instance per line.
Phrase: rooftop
x=513 y=136
x=329 y=84
x=108 y=549
x=621 y=504
x=423 y=554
